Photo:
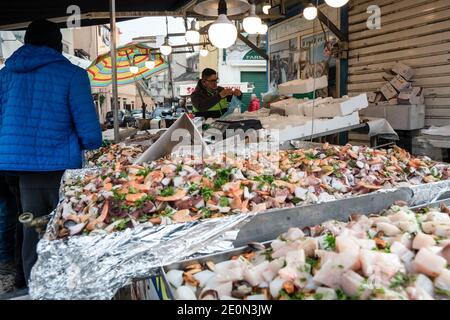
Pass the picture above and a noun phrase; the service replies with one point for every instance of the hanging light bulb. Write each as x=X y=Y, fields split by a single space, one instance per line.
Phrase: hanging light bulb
x=266 y=7
x=336 y=3
x=192 y=35
x=204 y=52
x=252 y=22
x=222 y=33
x=150 y=64
x=134 y=69
x=263 y=28
x=310 y=12
x=165 y=49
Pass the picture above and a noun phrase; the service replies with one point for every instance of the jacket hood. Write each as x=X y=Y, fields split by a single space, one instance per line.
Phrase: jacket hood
x=29 y=57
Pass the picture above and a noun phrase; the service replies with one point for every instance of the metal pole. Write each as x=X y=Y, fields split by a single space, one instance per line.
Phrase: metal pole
x=112 y=10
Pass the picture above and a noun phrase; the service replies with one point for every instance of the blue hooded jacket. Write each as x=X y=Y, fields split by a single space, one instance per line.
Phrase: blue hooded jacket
x=47 y=114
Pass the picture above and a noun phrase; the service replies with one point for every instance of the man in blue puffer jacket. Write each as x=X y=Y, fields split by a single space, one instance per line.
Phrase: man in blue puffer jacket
x=47 y=117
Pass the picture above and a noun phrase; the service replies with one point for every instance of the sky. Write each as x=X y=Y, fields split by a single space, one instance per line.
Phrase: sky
x=151 y=26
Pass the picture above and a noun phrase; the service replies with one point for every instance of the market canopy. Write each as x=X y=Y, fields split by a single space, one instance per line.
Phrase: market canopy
x=17 y=15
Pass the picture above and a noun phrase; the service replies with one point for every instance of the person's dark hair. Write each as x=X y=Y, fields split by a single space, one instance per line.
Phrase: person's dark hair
x=42 y=32
x=206 y=73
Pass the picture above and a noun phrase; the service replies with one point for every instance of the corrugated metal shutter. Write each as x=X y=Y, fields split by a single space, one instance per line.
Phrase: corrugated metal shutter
x=416 y=32
x=259 y=80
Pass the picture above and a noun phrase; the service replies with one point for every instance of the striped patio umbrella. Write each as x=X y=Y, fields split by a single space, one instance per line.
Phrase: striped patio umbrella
x=132 y=54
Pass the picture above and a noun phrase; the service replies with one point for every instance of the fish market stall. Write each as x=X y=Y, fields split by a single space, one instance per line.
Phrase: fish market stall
x=398 y=254
x=122 y=221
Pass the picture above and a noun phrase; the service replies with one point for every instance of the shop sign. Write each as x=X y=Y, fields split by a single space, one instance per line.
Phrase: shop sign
x=252 y=55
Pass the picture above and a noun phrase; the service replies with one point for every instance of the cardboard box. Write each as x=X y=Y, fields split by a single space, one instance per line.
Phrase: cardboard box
x=401 y=117
x=371 y=97
x=379 y=97
x=392 y=102
x=403 y=70
x=388 y=91
x=412 y=96
x=399 y=83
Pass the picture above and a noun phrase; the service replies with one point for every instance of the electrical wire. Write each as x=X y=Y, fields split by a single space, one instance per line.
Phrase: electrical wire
x=314 y=81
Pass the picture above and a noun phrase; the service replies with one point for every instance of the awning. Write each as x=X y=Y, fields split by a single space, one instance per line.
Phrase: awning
x=18 y=14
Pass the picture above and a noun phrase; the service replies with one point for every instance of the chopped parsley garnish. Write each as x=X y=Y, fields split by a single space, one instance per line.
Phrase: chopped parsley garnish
x=442 y=292
x=179 y=167
x=125 y=207
x=265 y=179
x=400 y=279
x=387 y=249
x=312 y=262
x=330 y=241
x=192 y=188
x=140 y=202
x=123 y=175
x=144 y=218
x=318 y=296
x=295 y=296
x=379 y=291
x=310 y=156
x=117 y=196
x=206 y=193
x=168 y=212
x=144 y=172
x=296 y=200
x=224 y=202
x=329 y=152
x=293 y=156
x=123 y=224
x=169 y=191
x=206 y=212
x=222 y=176
x=132 y=190
x=268 y=254
x=341 y=295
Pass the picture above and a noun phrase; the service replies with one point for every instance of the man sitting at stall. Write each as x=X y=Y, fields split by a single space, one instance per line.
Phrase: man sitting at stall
x=210 y=100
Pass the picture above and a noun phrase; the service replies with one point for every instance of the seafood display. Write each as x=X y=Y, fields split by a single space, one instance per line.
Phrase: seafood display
x=181 y=190
x=396 y=255
x=109 y=155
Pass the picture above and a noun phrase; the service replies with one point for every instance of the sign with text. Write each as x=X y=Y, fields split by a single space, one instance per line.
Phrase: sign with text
x=245 y=87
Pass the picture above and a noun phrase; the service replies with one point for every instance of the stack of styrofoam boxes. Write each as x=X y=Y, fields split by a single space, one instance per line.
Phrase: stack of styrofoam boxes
x=330 y=108
x=398 y=101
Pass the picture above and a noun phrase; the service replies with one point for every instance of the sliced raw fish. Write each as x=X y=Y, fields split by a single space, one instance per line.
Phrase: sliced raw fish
x=423 y=240
x=429 y=263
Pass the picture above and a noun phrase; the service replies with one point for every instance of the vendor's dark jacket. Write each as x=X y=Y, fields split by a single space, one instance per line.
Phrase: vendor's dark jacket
x=203 y=100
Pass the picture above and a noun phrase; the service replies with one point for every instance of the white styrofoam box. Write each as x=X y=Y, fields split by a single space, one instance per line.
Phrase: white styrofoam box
x=337 y=107
x=286 y=102
x=401 y=117
x=303 y=86
x=371 y=96
x=288 y=107
x=326 y=125
x=414 y=95
x=399 y=83
x=403 y=70
x=388 y=91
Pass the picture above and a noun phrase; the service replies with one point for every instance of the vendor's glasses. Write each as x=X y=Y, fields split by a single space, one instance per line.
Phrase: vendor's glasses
x=213 y=80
